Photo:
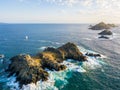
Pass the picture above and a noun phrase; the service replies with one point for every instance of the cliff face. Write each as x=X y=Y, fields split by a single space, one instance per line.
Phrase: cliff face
x=32 y=69
x=101 y=26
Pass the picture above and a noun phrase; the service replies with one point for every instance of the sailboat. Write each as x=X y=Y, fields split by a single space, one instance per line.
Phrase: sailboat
x=26 y=37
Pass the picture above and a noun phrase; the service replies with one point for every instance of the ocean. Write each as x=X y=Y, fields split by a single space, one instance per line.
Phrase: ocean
x=96 y=74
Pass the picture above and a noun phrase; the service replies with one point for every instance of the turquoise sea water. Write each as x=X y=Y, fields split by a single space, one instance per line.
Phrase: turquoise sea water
x=96 y=74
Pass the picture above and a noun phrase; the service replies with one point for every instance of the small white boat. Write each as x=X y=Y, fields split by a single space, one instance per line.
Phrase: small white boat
x=26 y=37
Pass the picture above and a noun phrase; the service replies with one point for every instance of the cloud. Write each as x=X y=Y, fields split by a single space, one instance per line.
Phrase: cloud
x=85 y=9
x=89 y=3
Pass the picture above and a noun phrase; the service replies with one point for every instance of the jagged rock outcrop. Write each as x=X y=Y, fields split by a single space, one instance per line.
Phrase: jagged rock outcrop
x=71 y=51
x=27 y=69
x=32 y=69
x=101 y=26
x=105 y=32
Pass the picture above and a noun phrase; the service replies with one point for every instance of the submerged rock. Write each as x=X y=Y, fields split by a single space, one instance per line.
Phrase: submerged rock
x=32 y=69
x=105 y=32
x=101 y=26
x=93 y=54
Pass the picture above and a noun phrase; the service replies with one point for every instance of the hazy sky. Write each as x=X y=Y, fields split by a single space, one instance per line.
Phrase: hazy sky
x=59 y=11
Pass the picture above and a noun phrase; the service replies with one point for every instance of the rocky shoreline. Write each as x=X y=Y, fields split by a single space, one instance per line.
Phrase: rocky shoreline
x=30 y=69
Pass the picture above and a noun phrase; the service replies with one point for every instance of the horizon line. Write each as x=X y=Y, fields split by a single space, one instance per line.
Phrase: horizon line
x=48 y=23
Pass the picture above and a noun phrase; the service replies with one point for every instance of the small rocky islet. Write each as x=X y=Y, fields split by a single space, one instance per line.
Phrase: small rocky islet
x=101 y=26
x=30 y=69
x=106 y=32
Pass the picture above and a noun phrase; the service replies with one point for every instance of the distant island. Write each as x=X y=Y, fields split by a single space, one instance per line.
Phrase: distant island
x=30 y=69
x=101 y=26
x=104 y=34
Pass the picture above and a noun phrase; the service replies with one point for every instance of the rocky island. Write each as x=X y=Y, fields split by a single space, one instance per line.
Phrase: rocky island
x=30 y=69
x=105 y=32
x=101 y=26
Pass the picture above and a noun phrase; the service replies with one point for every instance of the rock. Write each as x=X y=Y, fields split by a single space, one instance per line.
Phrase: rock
x=56 y=53
x=93 y=55
x=32 y=69
x=101 y=26
x=105 y=32
x=105 y=37
x=27 y=69
x=51 y=59
x=71 y=51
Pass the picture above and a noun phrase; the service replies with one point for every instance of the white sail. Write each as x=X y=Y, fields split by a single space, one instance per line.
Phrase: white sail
x=26 y=37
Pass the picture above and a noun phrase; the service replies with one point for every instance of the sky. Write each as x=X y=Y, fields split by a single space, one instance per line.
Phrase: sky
x=59 y=11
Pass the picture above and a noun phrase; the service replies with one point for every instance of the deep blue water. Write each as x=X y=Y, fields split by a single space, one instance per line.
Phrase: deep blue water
x=106 y=77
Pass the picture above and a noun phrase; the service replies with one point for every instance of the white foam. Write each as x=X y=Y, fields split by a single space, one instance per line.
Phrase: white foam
x=11 y=82
x=73 y=66
x=40 y=86
x=92 y=63
x=42 y=48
